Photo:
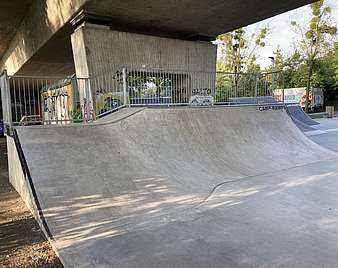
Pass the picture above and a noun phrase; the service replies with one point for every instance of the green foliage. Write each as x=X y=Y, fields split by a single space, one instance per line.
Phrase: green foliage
x=324 y=74
x=314 y=62
x=315 y=39
x=239 y=51
x=77 y=116
x=143 y=84
x=326 y=71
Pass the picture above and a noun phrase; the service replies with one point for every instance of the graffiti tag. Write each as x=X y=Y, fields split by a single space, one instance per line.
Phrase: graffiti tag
x=201 y=91
x=271 y=107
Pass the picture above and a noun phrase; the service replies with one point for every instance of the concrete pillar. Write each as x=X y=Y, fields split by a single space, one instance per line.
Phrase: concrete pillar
x=100 y=51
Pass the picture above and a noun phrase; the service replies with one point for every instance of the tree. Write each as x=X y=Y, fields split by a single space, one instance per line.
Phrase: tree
x=238 y=55
x=238 y=52
x=279 y=59
x=314 y=40
x=294 y=71
x=325 y=71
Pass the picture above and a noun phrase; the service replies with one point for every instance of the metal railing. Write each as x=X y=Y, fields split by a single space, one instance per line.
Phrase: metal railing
x=163 y=87
x=41 y=100
x=248 y=88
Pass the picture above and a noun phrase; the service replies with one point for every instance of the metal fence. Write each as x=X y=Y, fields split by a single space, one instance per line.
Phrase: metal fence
x=41 y=100
x=163 y=87
x=248 y=88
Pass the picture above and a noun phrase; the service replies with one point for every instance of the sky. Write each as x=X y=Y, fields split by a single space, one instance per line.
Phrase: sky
x=281 y=33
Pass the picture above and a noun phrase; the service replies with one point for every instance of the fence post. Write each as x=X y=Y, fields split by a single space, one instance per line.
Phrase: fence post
x=256 y=87
x=90 y=113
x=124 y=78
x=283 y=81
x=6 y=102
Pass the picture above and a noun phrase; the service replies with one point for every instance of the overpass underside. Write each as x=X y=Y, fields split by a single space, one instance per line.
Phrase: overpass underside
x=39 y=39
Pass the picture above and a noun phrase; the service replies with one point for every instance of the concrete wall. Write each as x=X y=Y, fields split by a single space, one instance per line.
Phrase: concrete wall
x=100 y=49
x=97 y=50
x=17 y=177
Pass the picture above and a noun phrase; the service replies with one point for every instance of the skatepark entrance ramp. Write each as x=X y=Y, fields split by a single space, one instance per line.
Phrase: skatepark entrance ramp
x=179 y=187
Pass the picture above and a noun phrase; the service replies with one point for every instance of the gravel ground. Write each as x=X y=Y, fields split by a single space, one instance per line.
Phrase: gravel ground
x=22 y=243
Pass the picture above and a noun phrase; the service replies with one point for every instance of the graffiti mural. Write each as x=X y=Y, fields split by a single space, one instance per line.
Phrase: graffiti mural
x=107 y=101
x=58 y=103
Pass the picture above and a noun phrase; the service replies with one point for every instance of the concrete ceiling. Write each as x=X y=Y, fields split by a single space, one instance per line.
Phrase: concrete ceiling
x=188 y=19
x=183 y=19
x=54 y=59
x=11 y=15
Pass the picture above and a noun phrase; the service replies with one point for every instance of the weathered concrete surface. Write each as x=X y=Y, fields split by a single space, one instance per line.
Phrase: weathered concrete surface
x=11 y=14
x=40 y=22
x=97 y=50
x=187 y=187
x=33 y=27
x=188 y=18
x=326 y=134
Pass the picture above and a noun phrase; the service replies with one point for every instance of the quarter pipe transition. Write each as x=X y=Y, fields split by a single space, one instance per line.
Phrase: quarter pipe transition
x=157 y=187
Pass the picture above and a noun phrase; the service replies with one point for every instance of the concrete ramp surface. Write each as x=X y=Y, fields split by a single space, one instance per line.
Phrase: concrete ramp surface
x=186 y=187
x=296 y=112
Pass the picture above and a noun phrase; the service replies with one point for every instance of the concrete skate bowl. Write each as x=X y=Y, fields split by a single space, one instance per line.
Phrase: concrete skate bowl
x=148 y=188
x=301 y=119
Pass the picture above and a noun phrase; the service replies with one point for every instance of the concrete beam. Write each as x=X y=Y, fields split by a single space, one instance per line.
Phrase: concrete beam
x=43 y=19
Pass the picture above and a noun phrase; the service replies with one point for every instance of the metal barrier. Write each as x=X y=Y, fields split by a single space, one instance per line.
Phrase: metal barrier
x=108 y=92
x=40 y=100
x=162 y=87
x=248 y=88
x=36 y=101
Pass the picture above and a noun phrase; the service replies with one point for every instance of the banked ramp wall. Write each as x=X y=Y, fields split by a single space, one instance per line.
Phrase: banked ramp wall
x=102 y=188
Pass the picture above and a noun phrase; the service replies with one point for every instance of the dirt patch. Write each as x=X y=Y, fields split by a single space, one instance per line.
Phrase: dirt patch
x=22 y=243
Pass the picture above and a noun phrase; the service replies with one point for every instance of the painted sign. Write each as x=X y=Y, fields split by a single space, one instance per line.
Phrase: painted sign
x=298 y=95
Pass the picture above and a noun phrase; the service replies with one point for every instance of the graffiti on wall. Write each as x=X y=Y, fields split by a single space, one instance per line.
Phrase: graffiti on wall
x=201 y=97
x=57 y=103
x=107 y=101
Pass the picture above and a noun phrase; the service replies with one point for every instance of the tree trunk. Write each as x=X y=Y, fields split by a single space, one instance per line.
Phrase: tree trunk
x=308 y=86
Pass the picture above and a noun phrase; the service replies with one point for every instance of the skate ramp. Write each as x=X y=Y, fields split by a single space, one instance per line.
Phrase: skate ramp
x=140 y=191
x=302 y=126
x=296 y=112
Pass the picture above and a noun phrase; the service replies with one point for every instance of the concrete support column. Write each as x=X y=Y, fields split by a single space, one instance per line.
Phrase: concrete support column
x=99 y=51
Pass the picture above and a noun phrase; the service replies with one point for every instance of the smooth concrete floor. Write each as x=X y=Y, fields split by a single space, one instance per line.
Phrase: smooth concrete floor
x=169 y=189
x=327 y=136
